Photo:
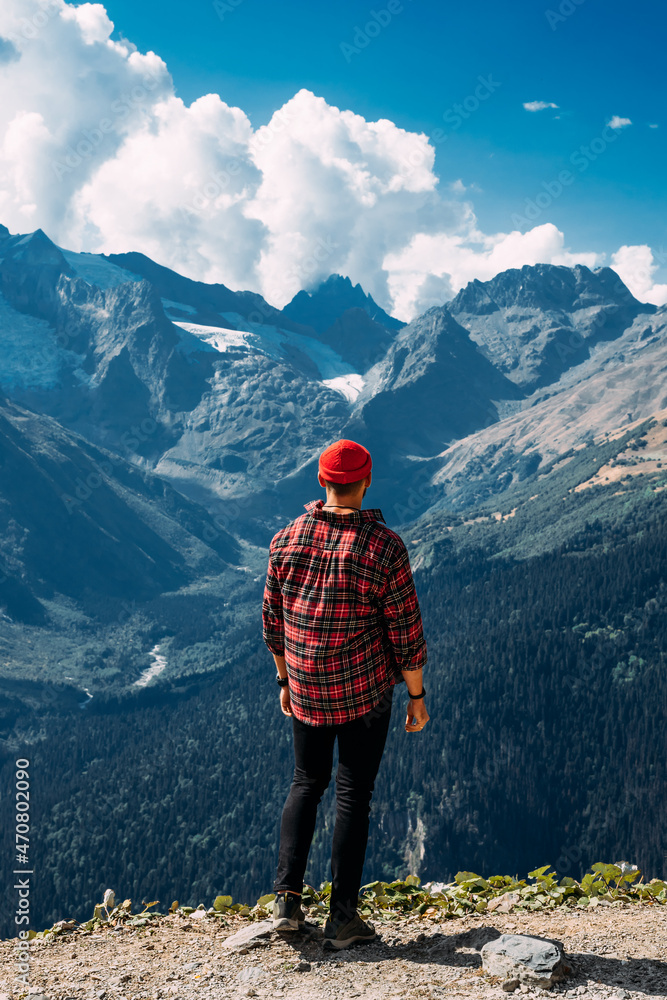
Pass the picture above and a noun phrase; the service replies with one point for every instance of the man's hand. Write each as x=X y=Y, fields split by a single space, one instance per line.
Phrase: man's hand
x=417 y=716
x=285 y=706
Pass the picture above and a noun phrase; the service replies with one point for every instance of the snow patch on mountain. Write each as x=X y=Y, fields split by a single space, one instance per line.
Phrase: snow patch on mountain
x=271 y=341
x=349 y=385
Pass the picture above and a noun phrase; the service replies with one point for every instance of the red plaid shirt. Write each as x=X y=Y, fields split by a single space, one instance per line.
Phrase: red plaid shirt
x=340 y=605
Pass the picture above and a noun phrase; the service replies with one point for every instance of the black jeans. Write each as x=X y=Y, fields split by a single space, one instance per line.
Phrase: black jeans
x=360 y=747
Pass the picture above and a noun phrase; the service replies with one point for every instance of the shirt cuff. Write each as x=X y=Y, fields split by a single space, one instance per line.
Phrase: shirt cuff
x=417 y=661
x=276 y=647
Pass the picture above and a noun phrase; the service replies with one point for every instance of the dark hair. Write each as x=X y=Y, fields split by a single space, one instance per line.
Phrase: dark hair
x=344 y=489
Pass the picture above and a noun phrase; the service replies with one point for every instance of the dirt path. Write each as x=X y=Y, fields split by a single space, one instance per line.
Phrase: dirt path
x=618 y=951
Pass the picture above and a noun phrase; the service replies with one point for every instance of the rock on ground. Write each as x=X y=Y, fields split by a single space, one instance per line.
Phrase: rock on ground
x=524 y=959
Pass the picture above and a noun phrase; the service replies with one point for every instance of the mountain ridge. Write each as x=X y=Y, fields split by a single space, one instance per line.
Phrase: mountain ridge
x=234 y=414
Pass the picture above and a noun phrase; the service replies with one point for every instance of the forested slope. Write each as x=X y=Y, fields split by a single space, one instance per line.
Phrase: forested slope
x=547 y=689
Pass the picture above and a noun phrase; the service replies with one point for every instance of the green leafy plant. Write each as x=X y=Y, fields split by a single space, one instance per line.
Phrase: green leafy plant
x=406 y=898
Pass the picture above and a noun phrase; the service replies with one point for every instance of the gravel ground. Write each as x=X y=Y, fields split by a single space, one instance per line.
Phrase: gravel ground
x=618 y=951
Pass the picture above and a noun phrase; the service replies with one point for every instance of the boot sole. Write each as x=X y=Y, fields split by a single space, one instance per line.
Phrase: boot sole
x=346 y=942
x=285 y=924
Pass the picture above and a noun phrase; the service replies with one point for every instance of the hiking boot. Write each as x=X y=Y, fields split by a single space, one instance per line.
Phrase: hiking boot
x=287 y=912
x=339 y=935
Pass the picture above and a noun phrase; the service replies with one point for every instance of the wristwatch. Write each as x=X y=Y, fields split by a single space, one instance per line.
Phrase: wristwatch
x=282 y=681
x=416 y=697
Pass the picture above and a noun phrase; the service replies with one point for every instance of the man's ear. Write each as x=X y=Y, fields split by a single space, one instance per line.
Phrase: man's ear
x=320 y=479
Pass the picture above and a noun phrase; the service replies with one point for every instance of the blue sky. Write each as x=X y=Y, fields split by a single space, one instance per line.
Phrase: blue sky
x=593 y=59
x=267 y=145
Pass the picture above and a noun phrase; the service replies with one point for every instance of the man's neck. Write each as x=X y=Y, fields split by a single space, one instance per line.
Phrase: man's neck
x=342 y=507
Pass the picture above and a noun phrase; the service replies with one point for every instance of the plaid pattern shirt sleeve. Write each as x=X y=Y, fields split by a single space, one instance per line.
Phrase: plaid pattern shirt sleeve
x=402 y=616
x=340 y=605
x=273 y=626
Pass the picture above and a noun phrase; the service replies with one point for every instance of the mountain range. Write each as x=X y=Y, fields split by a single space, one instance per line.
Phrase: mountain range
x=156 y=431
x=122 y=370
x=231 y=400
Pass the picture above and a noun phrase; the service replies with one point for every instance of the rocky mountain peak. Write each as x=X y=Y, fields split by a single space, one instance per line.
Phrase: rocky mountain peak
x=322 y=306
x=32 y=249
x=535 y=322
x=546 y=287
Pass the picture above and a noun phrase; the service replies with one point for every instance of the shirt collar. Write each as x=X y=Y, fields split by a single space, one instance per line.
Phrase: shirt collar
x=315 y=509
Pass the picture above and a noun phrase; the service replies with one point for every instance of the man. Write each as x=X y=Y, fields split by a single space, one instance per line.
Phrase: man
x=341 y=617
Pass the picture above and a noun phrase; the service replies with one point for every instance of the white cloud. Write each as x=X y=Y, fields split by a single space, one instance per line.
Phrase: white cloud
x=456 y=260
x=69 y=82
x=178 y=189
x=92 y=21
x=96 y=148
x=616 y=122
x=539 y=105
x=636 y=267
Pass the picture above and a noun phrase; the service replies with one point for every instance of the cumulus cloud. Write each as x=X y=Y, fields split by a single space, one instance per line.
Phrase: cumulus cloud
x=178 y=189
x=636 y=267
x=97 y=149
x=539 y=105
x=616 y=122
x=455 y=260
x=69 y=101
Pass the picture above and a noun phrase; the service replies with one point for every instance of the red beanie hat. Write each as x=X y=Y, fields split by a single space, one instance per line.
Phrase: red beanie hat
x=345 y=462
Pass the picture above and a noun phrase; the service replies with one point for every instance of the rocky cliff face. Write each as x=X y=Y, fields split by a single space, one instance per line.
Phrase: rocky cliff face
x=108 y=357
x=536 y=322
x=432 y=387
x=621 y=382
